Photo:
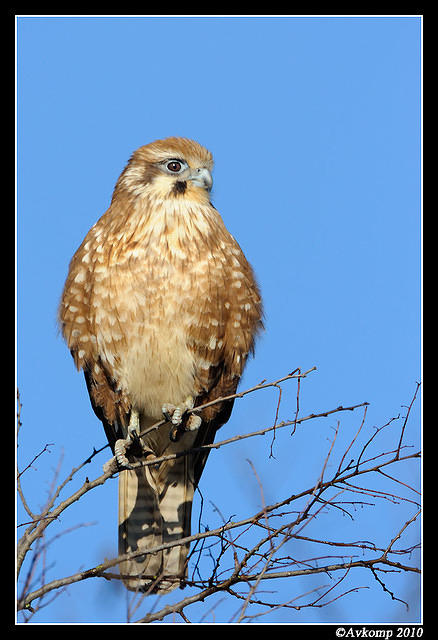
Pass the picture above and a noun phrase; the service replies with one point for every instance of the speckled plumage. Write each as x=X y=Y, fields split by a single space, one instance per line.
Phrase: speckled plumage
x=160 y=304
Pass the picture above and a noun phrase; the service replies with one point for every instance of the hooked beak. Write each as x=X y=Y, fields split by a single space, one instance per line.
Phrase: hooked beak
x=201 y=177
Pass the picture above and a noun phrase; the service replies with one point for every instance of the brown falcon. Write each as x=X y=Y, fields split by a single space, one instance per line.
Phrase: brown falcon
x=160 y=310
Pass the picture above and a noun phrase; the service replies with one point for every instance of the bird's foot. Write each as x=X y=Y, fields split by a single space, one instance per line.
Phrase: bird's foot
x=120 y=461
x=175 y=414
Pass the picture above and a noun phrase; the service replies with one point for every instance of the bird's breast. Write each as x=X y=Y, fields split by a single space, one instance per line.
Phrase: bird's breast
x=158 y=294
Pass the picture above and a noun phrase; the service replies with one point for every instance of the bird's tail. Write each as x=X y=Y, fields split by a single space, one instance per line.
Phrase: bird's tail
x=155 y=506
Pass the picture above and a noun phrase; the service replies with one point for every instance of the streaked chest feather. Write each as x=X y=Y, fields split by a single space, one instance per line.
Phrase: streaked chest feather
x=150 y=299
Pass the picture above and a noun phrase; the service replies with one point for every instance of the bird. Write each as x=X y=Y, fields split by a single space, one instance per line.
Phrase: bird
x=160 y=310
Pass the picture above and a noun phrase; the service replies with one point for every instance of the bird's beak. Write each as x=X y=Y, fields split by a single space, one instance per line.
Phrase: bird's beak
x=201 y=177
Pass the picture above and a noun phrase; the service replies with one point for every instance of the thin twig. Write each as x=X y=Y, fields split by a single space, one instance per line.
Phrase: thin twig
x=406 y=420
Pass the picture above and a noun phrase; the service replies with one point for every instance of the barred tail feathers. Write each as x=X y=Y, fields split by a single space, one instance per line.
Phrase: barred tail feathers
x=154 y=509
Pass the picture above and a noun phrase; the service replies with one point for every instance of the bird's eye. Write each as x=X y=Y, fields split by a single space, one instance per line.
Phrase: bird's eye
x=174 y=165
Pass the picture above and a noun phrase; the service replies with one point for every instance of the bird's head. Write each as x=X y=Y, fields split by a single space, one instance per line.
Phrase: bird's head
x=169 y=168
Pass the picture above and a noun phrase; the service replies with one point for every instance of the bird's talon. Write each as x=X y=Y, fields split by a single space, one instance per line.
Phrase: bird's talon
x=174 y=414
x=167 y=410
x=177 y=415
x=120 y=449
x=180 y=426
x=193 y=422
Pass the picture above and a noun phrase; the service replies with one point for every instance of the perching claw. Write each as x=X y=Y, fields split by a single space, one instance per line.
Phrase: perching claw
x=121 y=446
x=174 y=415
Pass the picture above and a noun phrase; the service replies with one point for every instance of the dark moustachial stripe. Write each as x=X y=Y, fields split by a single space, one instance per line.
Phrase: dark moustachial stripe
x=179 y=188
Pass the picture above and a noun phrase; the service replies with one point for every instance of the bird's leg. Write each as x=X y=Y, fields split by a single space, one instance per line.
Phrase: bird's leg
x=174 y=414
x=121 y=446
x=134 y=423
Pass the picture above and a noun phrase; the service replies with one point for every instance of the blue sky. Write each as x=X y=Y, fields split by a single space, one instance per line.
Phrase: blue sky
x=314 y=124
